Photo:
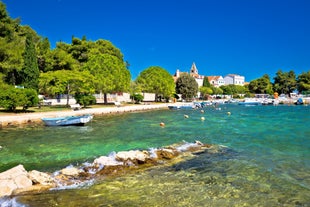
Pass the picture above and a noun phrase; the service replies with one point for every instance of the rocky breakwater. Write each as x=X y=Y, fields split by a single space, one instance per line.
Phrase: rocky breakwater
x=17 y=180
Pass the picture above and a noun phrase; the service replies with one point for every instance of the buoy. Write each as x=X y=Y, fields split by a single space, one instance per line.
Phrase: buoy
x=202 y=111
x=202 y=118
x=186 y=116
x=162 y=124
x=228 y=113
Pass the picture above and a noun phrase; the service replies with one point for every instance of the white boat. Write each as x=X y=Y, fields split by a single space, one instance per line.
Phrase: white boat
x=181 y=107
x=250 y=102
x=268 y=102
x=68 y=120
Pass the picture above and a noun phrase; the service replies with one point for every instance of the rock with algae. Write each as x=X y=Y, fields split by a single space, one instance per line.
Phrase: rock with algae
x=18 y=181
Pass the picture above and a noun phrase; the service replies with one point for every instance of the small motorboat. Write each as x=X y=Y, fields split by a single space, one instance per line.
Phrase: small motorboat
x=185 y=107
x=250 y=102
x=68 y=120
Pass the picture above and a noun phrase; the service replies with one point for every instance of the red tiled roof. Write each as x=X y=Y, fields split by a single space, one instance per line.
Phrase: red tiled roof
x=211 y=78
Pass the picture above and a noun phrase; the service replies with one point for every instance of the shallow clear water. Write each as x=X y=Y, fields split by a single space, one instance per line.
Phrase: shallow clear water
x=267 y=163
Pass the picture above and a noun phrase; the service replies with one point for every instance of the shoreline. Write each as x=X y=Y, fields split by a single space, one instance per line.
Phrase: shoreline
x=35 y=118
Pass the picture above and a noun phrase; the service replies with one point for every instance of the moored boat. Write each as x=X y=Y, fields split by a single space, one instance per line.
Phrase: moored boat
x=299 y=101
x=181 y=107
x=250 y=102
x=68 y=120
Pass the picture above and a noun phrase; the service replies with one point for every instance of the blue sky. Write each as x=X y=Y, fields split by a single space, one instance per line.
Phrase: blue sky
x=245 y=37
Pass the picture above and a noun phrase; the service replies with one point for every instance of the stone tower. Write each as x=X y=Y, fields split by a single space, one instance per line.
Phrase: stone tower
x=194 y=69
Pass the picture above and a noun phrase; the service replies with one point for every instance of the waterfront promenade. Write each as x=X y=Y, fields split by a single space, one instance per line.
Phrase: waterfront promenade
x=19 y=119
x=28 y=118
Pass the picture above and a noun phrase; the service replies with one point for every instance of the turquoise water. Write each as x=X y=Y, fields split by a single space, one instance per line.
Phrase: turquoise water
x=267 y=162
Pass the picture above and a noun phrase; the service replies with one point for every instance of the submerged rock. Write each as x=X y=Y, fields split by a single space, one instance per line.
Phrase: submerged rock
x=41 y=178
x=132 y=155
x=107 y=161
x=12 y=179
x=166 y=153
x=70 y=171
x=18 y=181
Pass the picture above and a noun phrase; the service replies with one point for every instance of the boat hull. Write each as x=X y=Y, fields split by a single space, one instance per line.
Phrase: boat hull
x=250 y=103
x=181 y=107
x=68 y=120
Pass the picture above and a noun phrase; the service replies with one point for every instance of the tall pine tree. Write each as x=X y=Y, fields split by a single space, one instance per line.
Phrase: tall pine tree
x=30 y=73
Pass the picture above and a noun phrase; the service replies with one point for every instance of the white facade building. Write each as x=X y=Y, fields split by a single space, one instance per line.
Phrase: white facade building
x=234 y=79
x=216 y=81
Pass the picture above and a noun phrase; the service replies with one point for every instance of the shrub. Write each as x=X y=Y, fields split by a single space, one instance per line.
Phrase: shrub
x=85 y=99
x=137 y=97
x=11 y=98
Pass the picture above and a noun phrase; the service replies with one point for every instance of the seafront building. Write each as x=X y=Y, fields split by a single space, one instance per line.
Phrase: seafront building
x=216 y=81
x=234 y=79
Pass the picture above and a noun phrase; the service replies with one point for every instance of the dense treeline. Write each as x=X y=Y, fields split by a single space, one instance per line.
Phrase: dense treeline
x=81 y=68
x=84 y=67
x=284 y=83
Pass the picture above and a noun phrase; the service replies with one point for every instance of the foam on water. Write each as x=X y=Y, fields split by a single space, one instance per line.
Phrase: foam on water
x=10 y=202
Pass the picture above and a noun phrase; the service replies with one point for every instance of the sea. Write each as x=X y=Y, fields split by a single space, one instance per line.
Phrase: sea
x=266 y=161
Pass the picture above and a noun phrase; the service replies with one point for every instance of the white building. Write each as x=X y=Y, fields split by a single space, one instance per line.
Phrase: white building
x=193 y=72
x=216 y=81
x=234 y=79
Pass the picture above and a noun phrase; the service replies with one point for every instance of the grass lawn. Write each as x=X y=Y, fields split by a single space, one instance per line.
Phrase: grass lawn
x=20 y=110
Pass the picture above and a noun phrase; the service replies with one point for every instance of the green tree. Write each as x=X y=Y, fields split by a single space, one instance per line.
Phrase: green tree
x=66 y=82
x=79 y=49
x=217 y=91
x=110 y=72
x=8 y=26
x=187 y=86
x=12 y=46
x=30 y=72
x=205 y=91
x=232 y=89
x=227 y=89
x=32 y=97
x=156 y=80
x=85 y=99
x=285 y=82
x=206 y=82
x=261 y=85
x=303 y=82
x=11 y=60
x=206 y=88
x=60 y=59
x=2 y=83
x=137 y=97
x=43 y=49
x=134 y=88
